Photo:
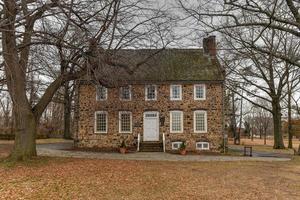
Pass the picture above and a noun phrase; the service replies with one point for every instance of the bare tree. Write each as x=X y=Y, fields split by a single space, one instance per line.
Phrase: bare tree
x=83 y=33
x=263 y=122
x=5 y=105
x=261 y=75
x=259 y=121
x=226 y=16
x=257 y=35
x=293 y=80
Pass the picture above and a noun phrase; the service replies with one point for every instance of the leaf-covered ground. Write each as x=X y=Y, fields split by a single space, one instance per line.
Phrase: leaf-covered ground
x=61 y=178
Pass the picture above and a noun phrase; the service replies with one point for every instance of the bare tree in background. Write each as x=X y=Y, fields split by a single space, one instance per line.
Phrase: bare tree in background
x=76 y=30
x=293 y=80
x=262 y=75
x=257 y=34
x=227 y=16
x=262 y=122
x=5 y=110
x=259 y=121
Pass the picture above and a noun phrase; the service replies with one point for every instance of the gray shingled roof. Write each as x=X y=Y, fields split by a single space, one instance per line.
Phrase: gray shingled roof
x=164 y=65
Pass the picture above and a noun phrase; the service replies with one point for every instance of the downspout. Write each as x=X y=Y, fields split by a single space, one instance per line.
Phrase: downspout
x=223 y=117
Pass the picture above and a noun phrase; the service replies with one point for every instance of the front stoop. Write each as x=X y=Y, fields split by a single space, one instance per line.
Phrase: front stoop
x=151 y=147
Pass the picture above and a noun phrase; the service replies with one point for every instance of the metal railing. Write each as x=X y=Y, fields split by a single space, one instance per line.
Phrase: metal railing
x=139 y=141
x=164 y=142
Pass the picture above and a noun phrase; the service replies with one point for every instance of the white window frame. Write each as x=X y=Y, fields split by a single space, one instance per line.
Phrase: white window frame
x=106 y=93
x=171 y=93
x=125 y=112
x=179 y=143
x=204 y=91
x=146 y=93
x=205 y=121
x=130 y=93
x=95 y=122
x=181 y=113
x=202 y=145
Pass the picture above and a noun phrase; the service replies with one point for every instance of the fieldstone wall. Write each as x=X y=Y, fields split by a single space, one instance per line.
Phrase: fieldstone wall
x=86 y=138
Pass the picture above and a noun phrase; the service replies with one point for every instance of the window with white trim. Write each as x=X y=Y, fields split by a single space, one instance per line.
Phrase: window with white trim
x=101 y=122
x=125 y=92
x=151 y=92
x=200 y=121
x=176 y=121
x=101 y=93
x=176 y=145
x=125 y=122
x=200 y=92
x=176 y=92
x=202 y=145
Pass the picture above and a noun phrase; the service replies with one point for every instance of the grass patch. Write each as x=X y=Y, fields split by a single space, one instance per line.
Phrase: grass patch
x=271 y=150
x=52 y=141
x=296 y=160
x=34 y=162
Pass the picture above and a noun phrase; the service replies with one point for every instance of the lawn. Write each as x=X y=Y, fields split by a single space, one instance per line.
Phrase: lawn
x=70 y=178
x=258 y=145
x=270 y=142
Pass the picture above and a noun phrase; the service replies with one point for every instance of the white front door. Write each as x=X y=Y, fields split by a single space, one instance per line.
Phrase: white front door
x=151 y=126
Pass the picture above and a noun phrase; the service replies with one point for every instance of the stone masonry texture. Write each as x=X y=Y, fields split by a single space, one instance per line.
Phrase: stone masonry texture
x=86 y=138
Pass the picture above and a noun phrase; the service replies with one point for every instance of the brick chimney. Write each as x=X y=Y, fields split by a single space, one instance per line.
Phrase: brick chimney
x=209 y=46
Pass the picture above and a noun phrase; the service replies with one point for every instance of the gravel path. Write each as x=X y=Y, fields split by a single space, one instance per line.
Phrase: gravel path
x=63 y=150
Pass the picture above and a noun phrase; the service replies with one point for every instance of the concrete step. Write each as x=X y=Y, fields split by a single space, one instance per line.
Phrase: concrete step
x=151 y=147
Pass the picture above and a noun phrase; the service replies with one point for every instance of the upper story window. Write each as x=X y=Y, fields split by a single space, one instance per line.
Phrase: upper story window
x=125 y=122
x=125 y=92
x=101 y=93
x=100 y=122
x=199 y=92
x=151 y=92
x=176 y=121
x=200 y=121
x=176 y=92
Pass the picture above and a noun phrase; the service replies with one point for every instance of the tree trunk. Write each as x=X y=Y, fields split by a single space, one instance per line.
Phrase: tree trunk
x=278 y=139
x=233 y=121
x=241 y=120
x=25 y=128
x=265 y=137
x=260 y=134
x=6 y=120
x=67 y=112
x=290 y=134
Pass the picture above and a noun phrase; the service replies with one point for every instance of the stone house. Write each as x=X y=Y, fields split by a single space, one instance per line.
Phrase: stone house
x=175 y=95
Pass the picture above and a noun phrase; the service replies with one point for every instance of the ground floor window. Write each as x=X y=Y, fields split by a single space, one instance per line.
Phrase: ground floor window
x=100 y=122
x=176 y=121
x=200 y=121
x=202 y=145
x=125 y=122
x=176 y=145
